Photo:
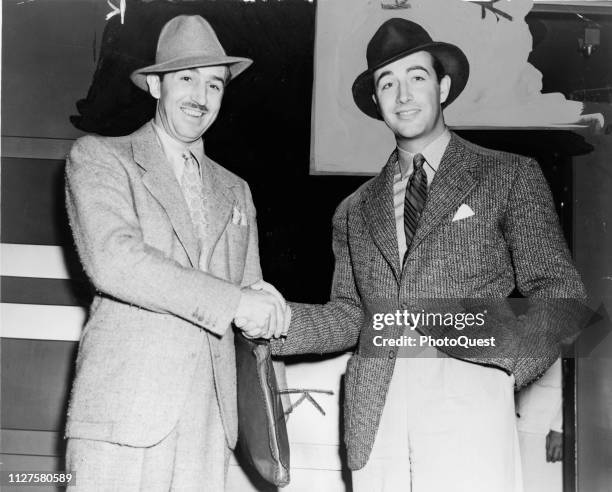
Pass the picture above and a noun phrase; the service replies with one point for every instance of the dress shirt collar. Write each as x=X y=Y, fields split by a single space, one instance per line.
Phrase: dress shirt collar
x=433 y=155
x=174 y=149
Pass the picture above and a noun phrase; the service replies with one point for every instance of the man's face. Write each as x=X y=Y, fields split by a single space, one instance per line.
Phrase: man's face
x=188 y=100
x=408 y=96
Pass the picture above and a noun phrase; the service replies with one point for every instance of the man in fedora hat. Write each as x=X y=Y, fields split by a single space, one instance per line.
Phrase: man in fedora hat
x=444 y=223
x=169 y=240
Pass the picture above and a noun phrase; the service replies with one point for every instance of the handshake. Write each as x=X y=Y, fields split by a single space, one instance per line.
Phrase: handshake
x=262 y=312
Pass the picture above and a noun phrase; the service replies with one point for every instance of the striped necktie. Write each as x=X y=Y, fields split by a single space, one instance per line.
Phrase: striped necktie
x=414 y=201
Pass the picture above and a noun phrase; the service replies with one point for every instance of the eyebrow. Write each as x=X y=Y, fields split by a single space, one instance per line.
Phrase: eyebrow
x=214 y=77
x=380 y=76
x=409 y=69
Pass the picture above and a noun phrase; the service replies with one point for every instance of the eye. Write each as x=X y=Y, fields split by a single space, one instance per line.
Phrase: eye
x=419 y=77
x=215 y=86
x=385 y=85
x=186 y=78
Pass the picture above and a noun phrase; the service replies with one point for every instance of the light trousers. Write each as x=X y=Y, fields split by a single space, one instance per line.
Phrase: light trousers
x=447 y=425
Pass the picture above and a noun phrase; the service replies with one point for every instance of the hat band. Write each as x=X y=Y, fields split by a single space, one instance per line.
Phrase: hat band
x=166 y=57
x=429 y=47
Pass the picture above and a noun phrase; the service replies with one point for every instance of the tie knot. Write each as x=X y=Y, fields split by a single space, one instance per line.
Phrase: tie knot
x=418 y=161
x=190 y=160
x=191 y=170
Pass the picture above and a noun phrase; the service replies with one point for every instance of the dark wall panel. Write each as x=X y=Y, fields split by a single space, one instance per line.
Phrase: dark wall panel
x=36 y=379
x=48 y=57
x=33 y=202
x=46 y=291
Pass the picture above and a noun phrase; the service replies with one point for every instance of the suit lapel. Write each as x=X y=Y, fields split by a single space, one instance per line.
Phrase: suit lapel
x=162 y=184
x=219 y=204
x=455 y=179
x=378 y=213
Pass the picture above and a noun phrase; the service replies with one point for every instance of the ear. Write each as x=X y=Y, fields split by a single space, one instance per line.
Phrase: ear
x=376 y=104
x=154 y=84
x=445 y=85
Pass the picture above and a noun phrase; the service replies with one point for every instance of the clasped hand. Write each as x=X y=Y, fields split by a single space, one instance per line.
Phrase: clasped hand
x=262 y=312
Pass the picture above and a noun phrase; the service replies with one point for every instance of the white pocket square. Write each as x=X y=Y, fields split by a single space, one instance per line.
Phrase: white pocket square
x=238 y=218
x=463 y=212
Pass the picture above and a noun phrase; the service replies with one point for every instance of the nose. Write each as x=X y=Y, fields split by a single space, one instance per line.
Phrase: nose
x=404 y=95
x=200 y=94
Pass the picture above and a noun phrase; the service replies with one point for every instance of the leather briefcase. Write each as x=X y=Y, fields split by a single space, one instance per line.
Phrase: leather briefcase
x=262 y=432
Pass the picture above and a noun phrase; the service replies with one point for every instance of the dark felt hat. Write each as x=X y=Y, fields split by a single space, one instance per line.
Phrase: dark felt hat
x=397 y=38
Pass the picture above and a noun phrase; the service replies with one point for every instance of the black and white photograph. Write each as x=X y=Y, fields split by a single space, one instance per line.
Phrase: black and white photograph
x=306 y=245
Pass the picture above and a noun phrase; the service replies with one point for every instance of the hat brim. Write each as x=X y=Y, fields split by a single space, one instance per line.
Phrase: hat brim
x=236 y=66
x=454 y=61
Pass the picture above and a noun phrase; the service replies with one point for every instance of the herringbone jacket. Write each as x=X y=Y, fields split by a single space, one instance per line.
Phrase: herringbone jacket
x=513 y=240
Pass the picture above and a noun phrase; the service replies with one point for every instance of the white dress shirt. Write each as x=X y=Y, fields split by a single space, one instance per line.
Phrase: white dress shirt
x=174 y=150
x=433 y=155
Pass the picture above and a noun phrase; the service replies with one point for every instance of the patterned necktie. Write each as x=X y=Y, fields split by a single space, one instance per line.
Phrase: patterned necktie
x=414 y=201
x=193 y=191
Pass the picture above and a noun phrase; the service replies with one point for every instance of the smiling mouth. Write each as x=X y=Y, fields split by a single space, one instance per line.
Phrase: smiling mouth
x=193 y=112
x=408 y=113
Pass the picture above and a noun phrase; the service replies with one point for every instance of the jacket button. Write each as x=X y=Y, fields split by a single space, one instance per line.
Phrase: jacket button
x=391 y=354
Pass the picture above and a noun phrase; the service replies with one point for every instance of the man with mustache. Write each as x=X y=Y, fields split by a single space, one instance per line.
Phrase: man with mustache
x=169 y=240
x=444 y=225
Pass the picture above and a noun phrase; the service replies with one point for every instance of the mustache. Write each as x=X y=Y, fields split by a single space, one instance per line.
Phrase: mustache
x=195 y=105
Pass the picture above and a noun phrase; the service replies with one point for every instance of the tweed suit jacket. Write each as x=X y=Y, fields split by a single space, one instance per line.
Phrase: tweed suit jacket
x=154 y=309
x=512 y=240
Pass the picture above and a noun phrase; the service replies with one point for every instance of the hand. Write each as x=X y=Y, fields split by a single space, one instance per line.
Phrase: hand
x=260 y=314
x=263 y=285
x=554 y=446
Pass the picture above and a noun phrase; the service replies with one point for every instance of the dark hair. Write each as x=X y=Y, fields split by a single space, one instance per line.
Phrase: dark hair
x=438 y=67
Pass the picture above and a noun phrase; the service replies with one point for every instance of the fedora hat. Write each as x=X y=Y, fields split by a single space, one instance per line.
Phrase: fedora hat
x=397 y=38
x=188 y=41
